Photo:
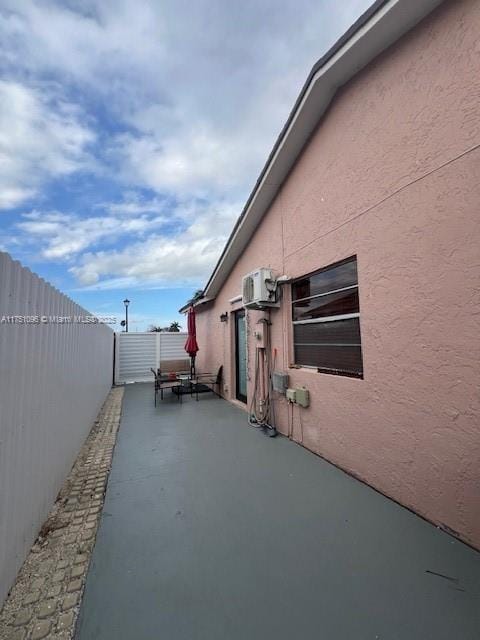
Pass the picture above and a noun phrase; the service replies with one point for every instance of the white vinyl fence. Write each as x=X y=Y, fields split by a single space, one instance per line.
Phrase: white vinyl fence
x=54 y=377
x=137 y=353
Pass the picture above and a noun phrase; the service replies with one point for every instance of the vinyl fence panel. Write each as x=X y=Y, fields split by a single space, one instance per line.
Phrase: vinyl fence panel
x=54 y=378
x=137 y=353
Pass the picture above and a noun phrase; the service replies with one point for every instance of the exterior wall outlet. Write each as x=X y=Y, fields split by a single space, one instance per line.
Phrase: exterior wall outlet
x=302 y=396
x=291 y=395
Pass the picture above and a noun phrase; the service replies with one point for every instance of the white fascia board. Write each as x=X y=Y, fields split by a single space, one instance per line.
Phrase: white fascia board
x=386 y=26
x=197 y=303
x=204 y=300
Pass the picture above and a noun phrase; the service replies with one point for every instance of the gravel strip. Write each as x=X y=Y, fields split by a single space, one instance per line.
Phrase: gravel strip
x=45 y=599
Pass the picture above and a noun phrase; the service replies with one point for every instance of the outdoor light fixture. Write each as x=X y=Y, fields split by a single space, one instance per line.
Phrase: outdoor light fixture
x=126 y=302
x=224 y=317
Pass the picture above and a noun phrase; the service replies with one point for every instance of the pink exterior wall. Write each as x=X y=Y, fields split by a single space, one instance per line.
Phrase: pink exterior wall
x=391 y=176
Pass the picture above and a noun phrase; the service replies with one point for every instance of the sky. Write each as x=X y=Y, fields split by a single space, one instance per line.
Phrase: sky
x=132 y=132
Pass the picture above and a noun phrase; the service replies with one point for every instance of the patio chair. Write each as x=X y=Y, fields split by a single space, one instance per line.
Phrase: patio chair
x=210 y=380
x=164 y=382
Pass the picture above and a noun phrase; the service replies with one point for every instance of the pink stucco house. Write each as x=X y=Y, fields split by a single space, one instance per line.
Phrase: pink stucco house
x=367 y=213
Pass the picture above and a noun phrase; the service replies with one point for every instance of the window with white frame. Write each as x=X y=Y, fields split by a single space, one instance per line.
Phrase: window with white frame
x=326 y=320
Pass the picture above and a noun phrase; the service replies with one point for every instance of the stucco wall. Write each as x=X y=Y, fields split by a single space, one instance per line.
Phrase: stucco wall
x=391 y=175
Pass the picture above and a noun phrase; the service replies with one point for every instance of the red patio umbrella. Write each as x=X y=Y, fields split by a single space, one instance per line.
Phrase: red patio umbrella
x=191 y=346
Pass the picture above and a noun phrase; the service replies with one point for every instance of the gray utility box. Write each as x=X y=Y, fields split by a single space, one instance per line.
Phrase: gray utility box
x=280 y=381
x=302 y=396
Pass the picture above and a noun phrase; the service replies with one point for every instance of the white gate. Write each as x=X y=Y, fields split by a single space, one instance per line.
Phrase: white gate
x=137 y=353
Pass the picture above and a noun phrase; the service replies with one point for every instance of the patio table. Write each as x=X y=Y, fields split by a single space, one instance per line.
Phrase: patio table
x=165 y=382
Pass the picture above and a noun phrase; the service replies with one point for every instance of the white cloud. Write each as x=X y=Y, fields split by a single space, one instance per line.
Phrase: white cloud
x=206 y=86
x=198 y=161
x=162 y=261
x=132 y=204
x=61 y=236
x=41 y=137
x=193 y=94
x=85 y=43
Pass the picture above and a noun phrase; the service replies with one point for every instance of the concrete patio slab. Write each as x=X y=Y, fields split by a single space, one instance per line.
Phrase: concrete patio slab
x=211 y=531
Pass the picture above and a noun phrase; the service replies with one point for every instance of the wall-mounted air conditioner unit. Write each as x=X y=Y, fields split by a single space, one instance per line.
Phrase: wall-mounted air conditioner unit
x=259 y=289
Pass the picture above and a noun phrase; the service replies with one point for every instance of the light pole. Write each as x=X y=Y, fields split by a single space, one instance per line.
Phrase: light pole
x=126 y=302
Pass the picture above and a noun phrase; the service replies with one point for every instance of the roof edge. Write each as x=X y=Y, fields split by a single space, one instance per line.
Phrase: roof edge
x=384 y=22
x=194 y=303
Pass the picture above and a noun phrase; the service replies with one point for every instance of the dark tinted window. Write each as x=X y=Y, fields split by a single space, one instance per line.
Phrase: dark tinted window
x=337 y=276
x=330 y=304
x=323 y=336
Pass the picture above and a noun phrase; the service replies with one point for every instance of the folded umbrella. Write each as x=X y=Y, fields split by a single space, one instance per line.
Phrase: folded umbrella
x=191 y=345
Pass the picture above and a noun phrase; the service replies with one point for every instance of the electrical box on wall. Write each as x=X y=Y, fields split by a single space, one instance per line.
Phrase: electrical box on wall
x=299 y=395
x=291 y=395
x=280 y=381
x=302 y=396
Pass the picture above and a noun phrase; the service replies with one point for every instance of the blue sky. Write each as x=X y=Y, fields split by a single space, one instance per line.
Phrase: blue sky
x=131 y=134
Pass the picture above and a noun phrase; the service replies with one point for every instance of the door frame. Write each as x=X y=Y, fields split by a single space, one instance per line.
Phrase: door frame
x=240 y=313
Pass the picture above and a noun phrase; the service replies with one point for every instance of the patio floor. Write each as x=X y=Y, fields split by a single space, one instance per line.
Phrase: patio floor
x=211 y=531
